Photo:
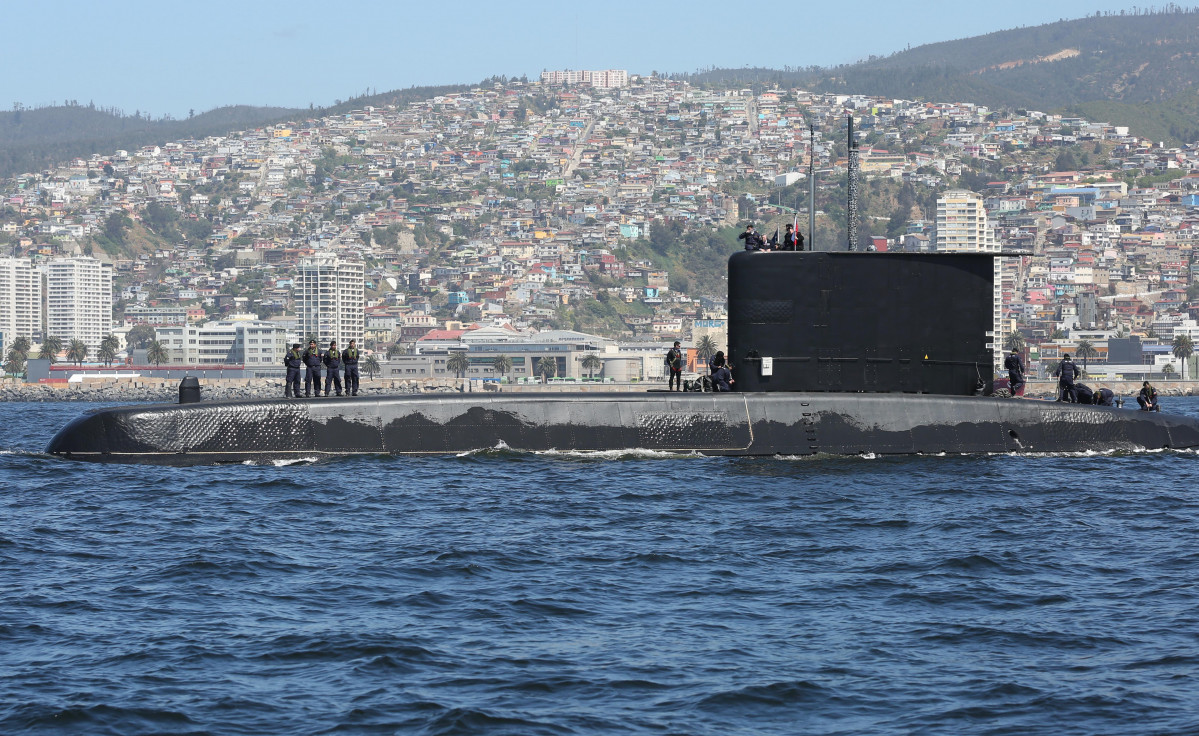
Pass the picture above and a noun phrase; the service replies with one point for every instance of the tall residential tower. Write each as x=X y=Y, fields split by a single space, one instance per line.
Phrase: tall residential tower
x=962 y=227
x=20 y=301
x=330 y=299
x=79 y=300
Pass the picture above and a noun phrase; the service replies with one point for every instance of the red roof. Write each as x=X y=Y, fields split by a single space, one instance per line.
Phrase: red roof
x=442 y=335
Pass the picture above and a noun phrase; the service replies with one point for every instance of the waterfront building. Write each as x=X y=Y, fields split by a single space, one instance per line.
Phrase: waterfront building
x=330 y=301
x=239 y=341
x=79 y=300
x=20 y=301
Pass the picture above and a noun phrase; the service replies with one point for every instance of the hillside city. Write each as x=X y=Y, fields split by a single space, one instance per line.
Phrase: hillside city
x=577 y=225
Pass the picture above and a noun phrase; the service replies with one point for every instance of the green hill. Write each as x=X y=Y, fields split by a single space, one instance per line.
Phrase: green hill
x=1138 y=70
x=37 y=138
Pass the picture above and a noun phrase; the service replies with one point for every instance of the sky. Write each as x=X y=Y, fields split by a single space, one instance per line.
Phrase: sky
x=166 y=57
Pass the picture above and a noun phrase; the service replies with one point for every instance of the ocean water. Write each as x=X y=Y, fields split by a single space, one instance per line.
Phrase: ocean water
x=623 y=593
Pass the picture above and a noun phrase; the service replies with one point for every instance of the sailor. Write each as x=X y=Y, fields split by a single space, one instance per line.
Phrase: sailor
x=350 y=357
x=1066 y=373
x=753 y=241
x=312 y=362
x=333 y=368
x=792 y=239
x=674 y=366
x=1148 y=398
x=722 y=378
x=1104 y=397
x=293 y=361
x=1083 y=394
x=1015 y=372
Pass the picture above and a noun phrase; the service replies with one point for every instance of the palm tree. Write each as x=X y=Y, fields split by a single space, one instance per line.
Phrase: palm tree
x=157 y=353
x=370 y=364
x=15 y=364
x=1014 y=341
x=77 y=352
x=458 y=363
x=705 y=348
x=1183 y=348
x=393 y=350
x=591 y=362
x=502 y=364
x=51 y=347
x=21 y=345
x=1085 y=350
x=106 y=354
x=1121 y=330
x=1167 y=370
x=111 y=341
x=547 y=366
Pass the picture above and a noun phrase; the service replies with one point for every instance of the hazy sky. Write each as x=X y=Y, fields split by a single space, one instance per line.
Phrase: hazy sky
x=169 y=57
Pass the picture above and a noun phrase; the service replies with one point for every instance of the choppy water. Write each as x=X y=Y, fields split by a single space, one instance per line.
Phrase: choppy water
x=509 y=593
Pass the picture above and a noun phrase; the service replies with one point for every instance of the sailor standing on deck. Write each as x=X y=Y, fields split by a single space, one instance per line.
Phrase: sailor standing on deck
x=1066 y=373
x=293 y=361
x=312 y=376
x=1015 y=371
x=792 y=239
x=350 y=357
x=333 y=368
x=674 y=364
x=753 y=241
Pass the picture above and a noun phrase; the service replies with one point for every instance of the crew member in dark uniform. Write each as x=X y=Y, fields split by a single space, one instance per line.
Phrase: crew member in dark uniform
x=1015 y=371
x=1148 y=398
x=753 y=241
x=792 y=239
x=674 y=364
x=350 y=358
x=1066 y=373
x=293 y=361
x=312 y=374
x=333 y=368
x=1104 y=397
x=722 y=378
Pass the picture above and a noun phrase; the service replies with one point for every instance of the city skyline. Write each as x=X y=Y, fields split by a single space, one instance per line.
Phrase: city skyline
x=163 y=60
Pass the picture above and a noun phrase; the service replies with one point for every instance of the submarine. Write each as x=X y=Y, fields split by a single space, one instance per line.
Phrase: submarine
x=834 y=352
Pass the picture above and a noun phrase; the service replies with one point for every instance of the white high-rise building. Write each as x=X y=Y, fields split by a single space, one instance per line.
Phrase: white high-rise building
x=79 y=300
x=962 y=227
x=330 y=299
x=250 y=342
x=20 y=301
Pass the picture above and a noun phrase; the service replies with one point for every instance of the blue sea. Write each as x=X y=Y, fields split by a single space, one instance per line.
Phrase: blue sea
x=621 y=593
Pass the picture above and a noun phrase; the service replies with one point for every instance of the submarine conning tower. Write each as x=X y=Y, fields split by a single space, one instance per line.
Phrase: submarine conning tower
x=862 y=322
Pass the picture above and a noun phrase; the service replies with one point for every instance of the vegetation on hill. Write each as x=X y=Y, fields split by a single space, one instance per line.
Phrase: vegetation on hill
x=1135 y=69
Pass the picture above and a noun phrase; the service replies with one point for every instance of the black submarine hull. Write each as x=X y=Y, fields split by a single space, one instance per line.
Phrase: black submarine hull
x=733 y=424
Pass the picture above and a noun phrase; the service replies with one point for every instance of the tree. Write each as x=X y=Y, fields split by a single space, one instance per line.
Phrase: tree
x=458 y=363
x=393 y=350
x=15 y=363
x=1167 y=370
x=1014 y=341
x=51 y=347
x=111 y=341
x=77 y=352
x=502 y=364
x=547 y=367
x=1086 y=350
x=115 y=226
x=140 y=336
x=705 y=348
x=592 y=363
x=21 y=345
x=1183 y=348
x=106 y=354
x=370 y=364
x=157 y=353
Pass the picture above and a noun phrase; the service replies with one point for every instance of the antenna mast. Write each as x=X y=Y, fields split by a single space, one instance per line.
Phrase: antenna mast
x=812 y=187
x=852 y=209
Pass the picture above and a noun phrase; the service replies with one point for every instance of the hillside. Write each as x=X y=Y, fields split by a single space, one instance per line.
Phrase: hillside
x=33 y=139
x=1137 y=70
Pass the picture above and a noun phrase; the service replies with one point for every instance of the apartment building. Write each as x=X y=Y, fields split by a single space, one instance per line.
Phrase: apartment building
x=962 y=227
x=330 y=299
x=249 y=342
x=20 y=301
x=79 y=300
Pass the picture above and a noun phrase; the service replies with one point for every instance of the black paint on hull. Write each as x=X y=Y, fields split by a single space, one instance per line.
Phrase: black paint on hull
x=713 y=424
